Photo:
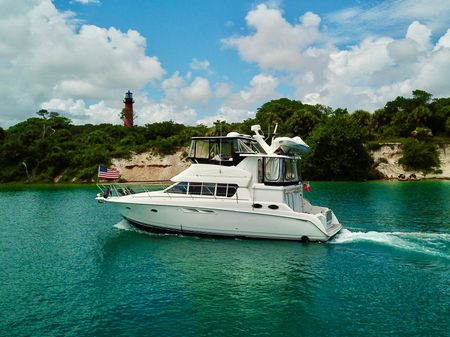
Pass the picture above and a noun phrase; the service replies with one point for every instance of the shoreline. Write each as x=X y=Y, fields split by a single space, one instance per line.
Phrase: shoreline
x=94 y=184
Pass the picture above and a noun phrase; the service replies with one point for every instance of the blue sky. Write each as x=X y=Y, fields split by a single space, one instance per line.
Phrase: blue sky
x=199 y=61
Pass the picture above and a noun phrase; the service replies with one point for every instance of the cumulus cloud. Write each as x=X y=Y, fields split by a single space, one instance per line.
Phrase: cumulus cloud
x=444 y=41
x=201 y=65
x=46 y=55
x=180 y=92
x=80 y=113
x=227 y=114
x=275 y=43
x=262 y=88
x=363 y=75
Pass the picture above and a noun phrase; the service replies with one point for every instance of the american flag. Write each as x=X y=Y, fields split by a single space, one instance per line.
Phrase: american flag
x=107 y=173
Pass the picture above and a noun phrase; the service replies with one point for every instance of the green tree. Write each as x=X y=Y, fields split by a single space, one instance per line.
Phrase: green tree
x=420 y=156
x=338 y=151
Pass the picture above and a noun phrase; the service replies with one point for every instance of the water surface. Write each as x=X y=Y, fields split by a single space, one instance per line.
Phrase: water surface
x=72 y=267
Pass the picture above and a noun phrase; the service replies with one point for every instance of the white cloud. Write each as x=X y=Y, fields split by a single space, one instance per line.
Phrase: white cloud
x=444 y=41
x=419 y=33
x=198 y=91
x=378 y=70
x=364 y=75
x=159 y=112
x=46 y=55
x=85 y=2
x=403 y=51
x=201 y=65
x=275 y=43
x=227 y=114
x=351 y=24
x=80 y=113
x=222 y=90
x=179 y=92
x=262 y=88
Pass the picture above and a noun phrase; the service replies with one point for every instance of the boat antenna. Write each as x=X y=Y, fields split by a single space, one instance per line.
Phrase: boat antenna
x=268 y=132
x=275 y=131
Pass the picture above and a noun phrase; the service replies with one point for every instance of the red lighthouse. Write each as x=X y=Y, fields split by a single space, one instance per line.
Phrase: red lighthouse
x=127 y=112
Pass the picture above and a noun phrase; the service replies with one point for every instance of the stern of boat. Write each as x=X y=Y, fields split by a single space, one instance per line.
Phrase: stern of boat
x=329 y=222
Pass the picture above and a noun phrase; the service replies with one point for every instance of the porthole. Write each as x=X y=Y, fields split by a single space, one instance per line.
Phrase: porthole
x=128 y=207
x=257 y=206
x=154 y=210
x=273 y=206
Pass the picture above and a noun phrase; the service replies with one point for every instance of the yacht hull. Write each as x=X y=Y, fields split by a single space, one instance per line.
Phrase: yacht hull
x=230 y=220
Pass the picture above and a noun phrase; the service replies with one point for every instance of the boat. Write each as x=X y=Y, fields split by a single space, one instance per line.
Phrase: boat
x=236 y=186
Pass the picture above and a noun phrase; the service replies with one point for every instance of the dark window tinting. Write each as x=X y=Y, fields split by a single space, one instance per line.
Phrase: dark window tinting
x=195 y=188
x=180 y=188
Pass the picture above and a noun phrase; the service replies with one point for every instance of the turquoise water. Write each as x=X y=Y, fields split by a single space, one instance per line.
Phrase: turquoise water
x=72 y=267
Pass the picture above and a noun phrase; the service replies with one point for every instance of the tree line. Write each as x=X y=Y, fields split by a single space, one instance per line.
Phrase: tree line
x=49 y=146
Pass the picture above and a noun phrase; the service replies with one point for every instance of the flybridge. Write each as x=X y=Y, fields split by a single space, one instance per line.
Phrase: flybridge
x=224 y=151
x=231 y=149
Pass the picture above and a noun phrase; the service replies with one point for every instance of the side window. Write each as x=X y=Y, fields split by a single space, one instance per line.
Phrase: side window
x=290 y=170
x=201 y=149
x=180 y=188
x=231 y=190
x=221 y=190
x=195 y=188
x=272 y=169
x=208 y=189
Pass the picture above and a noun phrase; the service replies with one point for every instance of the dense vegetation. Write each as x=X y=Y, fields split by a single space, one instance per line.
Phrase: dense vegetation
x=49 y=147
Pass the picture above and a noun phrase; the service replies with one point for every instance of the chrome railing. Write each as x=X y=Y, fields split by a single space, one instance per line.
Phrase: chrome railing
x=131 y=188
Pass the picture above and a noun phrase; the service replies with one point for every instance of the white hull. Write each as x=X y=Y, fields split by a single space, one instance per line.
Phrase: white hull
x=231 y=218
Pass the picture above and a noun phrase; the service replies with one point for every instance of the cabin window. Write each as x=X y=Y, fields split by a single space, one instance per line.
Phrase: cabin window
x=221 y=190
x=201 y=149
x=244 y=146
x=220 y=150
x=290 y=170
x=180 y=188
x=208 y=189
x=231 y=190
x=272 y=169
x=195 y=188
x=226 y=190
x=280 y=171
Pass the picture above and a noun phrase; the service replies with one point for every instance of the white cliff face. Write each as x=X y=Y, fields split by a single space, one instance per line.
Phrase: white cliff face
x=387 y=156
x=148 y=167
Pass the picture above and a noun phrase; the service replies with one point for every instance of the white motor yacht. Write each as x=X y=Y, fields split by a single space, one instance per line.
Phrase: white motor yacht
x=237 y=186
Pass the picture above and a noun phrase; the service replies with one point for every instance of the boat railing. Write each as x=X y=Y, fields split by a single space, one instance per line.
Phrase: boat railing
x=142 y=190
x=131 y=188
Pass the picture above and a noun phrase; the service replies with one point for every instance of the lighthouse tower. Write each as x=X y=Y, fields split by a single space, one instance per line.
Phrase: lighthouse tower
x=127 y=112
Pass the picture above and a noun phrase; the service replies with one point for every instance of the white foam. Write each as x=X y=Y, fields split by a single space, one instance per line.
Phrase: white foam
x=124 y=225
x=435 y=244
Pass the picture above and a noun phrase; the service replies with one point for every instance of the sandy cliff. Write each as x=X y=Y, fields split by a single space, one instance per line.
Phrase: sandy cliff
x=147 y=167
x=387 y=156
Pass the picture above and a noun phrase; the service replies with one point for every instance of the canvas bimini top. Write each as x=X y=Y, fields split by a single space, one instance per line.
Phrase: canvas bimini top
x=222 y=150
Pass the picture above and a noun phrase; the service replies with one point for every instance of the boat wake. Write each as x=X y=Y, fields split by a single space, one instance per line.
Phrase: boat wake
x=125 y=225
x=436 y=244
